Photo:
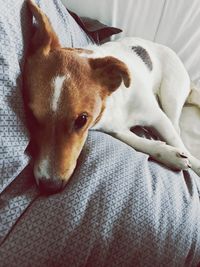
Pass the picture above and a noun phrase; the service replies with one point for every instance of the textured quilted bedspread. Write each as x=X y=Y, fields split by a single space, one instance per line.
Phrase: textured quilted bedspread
x=119 y=209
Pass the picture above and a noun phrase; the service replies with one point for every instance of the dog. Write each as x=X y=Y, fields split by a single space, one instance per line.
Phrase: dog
x=112 y=88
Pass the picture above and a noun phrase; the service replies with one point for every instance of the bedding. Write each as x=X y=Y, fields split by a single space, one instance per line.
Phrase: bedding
x=13 y=135
x=112 y=213
x=118 y=209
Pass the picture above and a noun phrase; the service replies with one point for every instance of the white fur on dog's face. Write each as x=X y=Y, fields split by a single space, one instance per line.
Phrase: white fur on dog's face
x=57 y=84
x=42 y=169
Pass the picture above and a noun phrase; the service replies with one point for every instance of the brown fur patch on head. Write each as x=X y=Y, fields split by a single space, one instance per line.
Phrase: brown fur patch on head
x=80 y=91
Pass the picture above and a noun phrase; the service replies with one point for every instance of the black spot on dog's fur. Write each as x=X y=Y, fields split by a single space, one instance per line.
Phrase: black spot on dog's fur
x=143 y=54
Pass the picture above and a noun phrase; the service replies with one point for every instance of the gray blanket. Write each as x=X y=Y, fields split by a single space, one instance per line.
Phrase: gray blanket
x=118 y=209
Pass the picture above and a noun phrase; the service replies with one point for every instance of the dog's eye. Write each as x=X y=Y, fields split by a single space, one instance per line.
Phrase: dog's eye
x=80 y=121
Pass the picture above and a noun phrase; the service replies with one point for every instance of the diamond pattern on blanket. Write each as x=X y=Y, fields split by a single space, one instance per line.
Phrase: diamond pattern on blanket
x=13 y=137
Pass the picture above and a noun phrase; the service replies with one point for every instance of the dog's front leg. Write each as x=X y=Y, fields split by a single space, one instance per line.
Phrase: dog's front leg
x=170 y=156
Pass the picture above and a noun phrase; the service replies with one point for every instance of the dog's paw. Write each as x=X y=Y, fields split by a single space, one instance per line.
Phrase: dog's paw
x=173 y=158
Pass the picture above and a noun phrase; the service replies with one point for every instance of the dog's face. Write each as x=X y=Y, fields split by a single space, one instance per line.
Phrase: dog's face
x=65 y=93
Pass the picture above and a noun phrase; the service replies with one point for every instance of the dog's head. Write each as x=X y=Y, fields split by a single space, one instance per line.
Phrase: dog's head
x=65 y=93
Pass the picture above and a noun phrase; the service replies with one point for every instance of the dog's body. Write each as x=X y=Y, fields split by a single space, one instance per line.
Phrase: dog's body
x=160 y=87
x=84 y=89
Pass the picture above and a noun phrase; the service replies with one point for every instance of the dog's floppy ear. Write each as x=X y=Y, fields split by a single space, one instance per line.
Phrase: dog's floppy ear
x=110 y=72
x=45 y=39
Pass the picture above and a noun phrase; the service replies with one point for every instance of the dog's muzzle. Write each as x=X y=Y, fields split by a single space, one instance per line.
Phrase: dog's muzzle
x=47 y=179
x=50 y=186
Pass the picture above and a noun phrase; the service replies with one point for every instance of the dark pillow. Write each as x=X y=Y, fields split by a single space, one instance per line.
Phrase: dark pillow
x=98 y=31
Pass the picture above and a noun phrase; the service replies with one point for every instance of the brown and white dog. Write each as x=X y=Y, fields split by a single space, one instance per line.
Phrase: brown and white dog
x=112 y=87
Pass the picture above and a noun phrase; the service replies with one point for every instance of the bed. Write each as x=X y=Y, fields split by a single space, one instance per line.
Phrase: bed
x=119 y=208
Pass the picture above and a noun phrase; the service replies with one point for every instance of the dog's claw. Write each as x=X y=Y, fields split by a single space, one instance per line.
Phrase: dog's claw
x=182 y=155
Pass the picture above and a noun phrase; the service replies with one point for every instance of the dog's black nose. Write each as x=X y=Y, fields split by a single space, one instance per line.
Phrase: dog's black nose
x=51 y=186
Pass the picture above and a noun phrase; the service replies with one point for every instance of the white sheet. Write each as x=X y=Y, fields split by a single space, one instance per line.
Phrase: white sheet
x=173 y=23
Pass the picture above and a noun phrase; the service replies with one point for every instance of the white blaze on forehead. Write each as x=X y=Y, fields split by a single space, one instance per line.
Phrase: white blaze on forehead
x=57 y=87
